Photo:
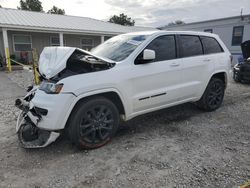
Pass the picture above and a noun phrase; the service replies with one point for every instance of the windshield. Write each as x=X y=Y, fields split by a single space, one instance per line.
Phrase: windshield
x=119 y=47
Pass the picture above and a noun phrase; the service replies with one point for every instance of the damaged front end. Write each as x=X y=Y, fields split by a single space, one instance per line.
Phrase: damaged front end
x=40 y=121
x=29 y=135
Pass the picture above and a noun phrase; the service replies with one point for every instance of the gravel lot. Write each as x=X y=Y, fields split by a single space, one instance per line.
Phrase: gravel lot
x=175 y=147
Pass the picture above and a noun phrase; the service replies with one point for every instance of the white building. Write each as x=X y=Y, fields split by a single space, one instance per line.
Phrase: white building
x=232 y=30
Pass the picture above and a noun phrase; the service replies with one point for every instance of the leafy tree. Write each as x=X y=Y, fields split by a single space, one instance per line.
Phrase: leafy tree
x=33 y=5
x=0 y=6
x=177 y=22
x=122 y=19
x=56 y=10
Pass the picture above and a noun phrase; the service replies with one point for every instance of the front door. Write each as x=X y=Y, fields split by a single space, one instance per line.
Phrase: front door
x=157 y=83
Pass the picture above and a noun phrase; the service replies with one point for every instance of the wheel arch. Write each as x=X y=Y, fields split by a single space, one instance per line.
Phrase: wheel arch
x=203 y=103
x=221 y=75
x=111 y=94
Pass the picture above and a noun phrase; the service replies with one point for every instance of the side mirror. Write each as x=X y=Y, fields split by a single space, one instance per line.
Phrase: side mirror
x=148 y=55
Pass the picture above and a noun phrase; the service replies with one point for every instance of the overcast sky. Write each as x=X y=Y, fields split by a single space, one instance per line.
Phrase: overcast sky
x=147 y=12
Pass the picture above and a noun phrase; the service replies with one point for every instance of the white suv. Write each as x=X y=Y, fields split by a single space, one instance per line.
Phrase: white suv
x=88 y=93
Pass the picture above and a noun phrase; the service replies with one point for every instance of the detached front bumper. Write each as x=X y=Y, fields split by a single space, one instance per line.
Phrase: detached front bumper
x=41 y=119
x=55 y=108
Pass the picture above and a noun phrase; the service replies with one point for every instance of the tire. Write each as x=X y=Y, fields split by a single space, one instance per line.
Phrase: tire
x=236 y=77
x=213 y=96
x=93 y=123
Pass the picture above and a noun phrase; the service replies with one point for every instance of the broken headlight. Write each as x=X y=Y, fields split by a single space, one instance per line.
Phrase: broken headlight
x=237 y=67
x=51 y=88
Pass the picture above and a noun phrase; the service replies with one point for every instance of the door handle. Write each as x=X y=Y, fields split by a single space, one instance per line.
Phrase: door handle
x=207 y=60
x=174 y=64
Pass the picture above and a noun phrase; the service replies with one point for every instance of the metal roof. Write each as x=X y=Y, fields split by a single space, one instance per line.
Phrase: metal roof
x=205 y=21
x=20 y=19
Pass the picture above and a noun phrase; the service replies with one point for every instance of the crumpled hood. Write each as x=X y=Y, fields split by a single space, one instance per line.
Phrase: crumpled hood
x=54 y=59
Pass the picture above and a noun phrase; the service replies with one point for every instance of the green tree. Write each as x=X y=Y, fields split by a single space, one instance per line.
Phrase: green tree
x=177 y=22
x=122 y=19
x=56 y=10
x=33 y=5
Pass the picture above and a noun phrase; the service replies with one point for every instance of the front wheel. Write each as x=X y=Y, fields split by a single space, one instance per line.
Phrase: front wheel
x=213 y=95
x=93 y=123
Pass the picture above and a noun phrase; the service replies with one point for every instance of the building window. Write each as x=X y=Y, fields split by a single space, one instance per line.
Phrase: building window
x=22 y=43
x=237 y=35
x=55 y=41
x=208 y=30
x=87 y=43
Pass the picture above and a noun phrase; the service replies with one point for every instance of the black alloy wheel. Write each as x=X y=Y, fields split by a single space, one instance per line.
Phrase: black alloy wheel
x=93 y=123
x=96 y=124
x=213 y=96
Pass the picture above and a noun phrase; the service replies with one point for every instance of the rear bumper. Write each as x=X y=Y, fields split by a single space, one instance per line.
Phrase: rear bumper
x=53 y=109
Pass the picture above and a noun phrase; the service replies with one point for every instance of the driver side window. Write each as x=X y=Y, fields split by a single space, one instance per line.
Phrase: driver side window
x=164 y=47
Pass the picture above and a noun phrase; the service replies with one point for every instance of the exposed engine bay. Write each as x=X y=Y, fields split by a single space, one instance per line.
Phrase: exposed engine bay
x=80 y=63
x=242 y=69
x=56 y=63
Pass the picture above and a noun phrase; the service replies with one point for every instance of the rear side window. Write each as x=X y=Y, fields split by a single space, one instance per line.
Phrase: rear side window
x=164 y=47
x=210 y=45
x=190 y=46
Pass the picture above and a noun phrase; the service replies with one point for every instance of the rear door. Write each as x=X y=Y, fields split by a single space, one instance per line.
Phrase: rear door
x=196 y=67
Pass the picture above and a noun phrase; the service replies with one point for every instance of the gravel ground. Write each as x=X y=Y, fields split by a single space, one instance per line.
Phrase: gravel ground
x=22 y=78
x=175 y=147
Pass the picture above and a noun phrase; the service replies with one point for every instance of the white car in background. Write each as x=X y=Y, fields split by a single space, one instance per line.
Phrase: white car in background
x=86 y=94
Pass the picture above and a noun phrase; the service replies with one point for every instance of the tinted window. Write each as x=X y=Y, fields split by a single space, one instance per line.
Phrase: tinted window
x=164 y=47
x=190 y=46
x=237 y=35
x=210 y=45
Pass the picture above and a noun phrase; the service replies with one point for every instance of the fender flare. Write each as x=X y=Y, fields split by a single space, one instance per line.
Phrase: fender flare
x=216 y=72
x=221 y=71
x=89 y=94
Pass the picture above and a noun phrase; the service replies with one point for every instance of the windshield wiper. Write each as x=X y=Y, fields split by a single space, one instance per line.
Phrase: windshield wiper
x=93 y=60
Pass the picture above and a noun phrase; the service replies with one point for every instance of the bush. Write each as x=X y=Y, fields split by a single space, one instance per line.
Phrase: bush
x=1 y=61
x=13 y=56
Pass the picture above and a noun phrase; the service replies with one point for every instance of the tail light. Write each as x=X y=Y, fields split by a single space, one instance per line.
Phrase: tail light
x=231 y=59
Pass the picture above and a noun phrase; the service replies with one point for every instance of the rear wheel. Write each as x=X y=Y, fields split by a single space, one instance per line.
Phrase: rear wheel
x=213 y=95
x=93 y=123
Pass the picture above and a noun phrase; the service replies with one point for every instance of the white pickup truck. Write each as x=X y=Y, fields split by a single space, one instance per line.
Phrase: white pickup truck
x=86 y=94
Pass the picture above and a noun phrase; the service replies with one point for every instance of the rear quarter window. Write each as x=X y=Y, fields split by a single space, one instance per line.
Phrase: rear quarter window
x=190 y=45
x=210 y=45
